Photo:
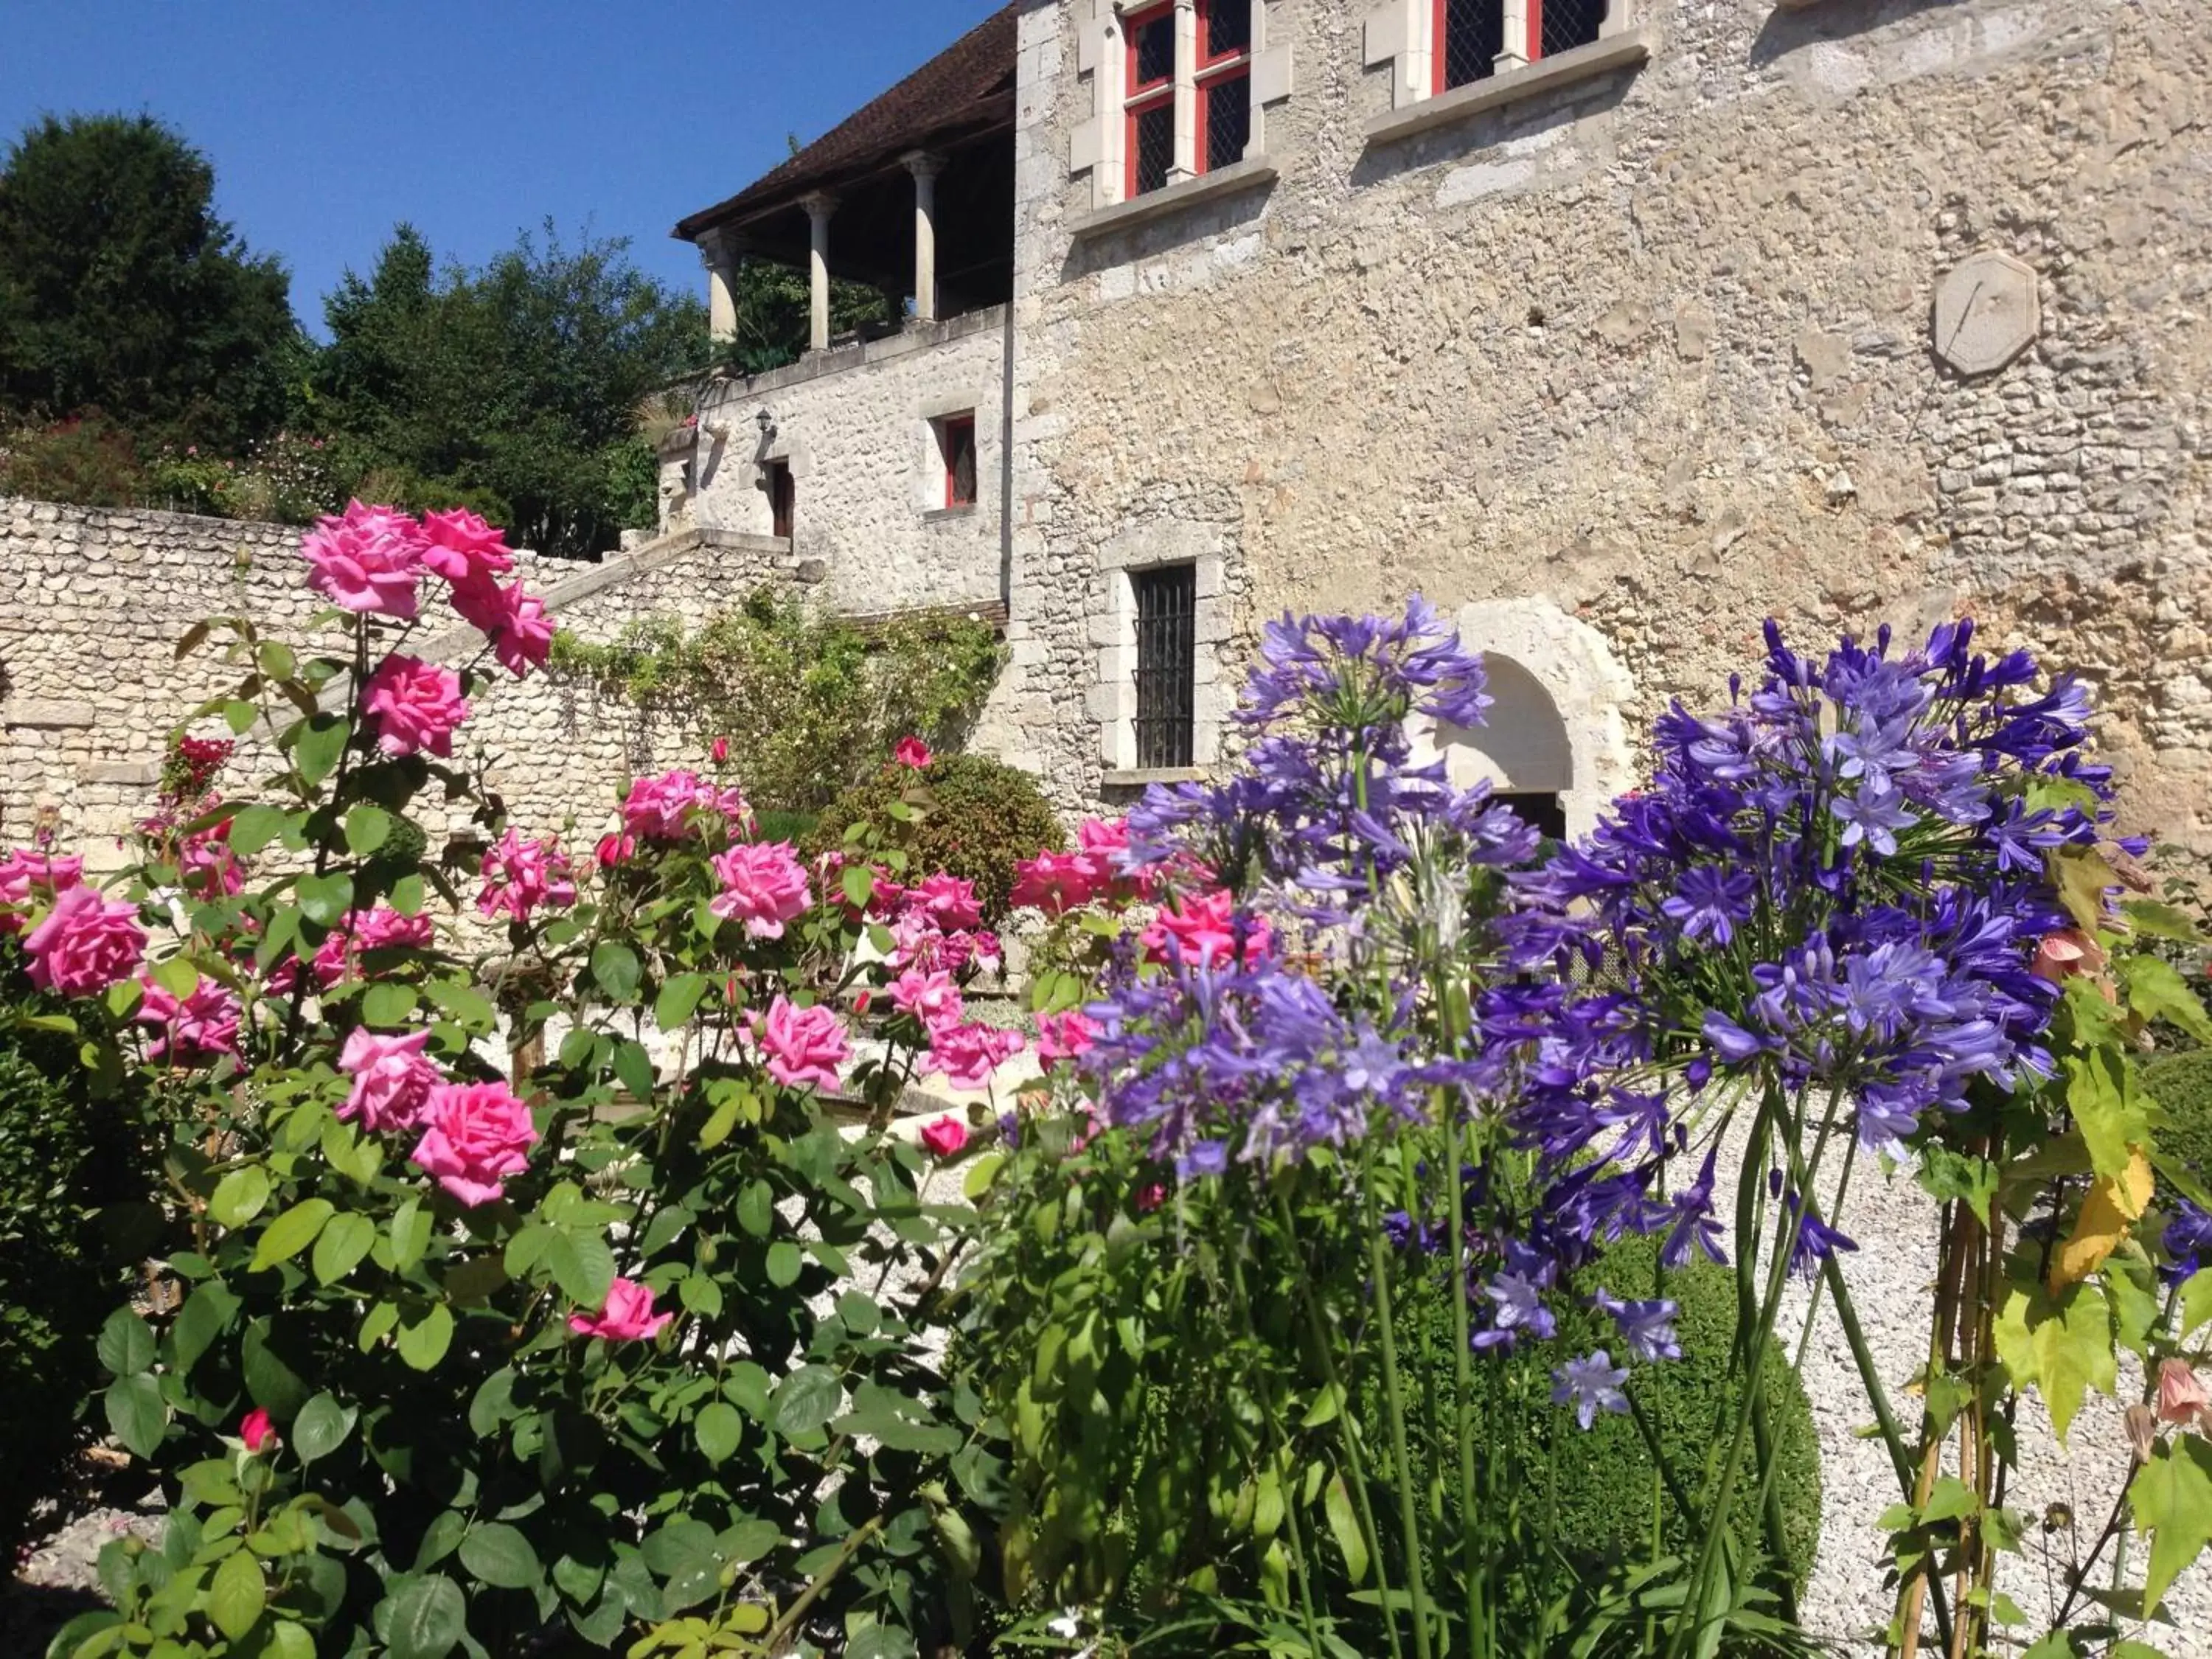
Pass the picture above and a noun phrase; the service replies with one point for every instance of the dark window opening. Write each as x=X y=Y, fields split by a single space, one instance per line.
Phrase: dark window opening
x=1153 y=49
x=1543 y=812
x=1166 y=666
x=1470 y=34
x=1227 y=29
x=782 y=497
x=1228 y=118
x=1152 y=148
x=956 y=442
x=1562 y=24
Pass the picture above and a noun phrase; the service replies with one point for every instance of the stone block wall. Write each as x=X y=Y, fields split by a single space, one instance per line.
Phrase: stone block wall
x=1637 y=360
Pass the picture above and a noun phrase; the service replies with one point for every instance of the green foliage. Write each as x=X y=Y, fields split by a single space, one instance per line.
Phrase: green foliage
x=774 y=311
x=2182 y=1085
x=972 y=816
x=65 y=1157
x=121 y=289
x=86 y=458
x=809 y=704
x=513 y=388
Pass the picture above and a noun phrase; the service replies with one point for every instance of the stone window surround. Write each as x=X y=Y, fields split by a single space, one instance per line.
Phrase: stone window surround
x=1113 y=611
x=1098 y=146
x=929 y=472
x=1402 y=34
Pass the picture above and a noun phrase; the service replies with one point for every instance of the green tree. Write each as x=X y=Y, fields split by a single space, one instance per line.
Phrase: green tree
x=121 y=290
x=775 y=306
x=513 y=388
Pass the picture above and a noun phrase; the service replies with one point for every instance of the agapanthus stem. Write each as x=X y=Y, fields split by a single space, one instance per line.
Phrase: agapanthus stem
x=1471 y=1565
x=1394 y=1401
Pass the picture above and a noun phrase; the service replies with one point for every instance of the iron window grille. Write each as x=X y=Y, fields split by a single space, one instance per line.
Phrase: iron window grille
x=1224 y=83
x=956 y=442
x=1166 y=666
x=1470 y=34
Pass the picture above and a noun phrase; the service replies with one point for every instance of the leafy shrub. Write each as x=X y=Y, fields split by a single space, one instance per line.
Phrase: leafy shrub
x=972 y=816
x=88 y=460
x=2182 y=1085
x=808 y=705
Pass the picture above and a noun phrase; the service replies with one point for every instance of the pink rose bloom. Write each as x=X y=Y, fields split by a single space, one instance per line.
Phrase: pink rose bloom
x=85 y=944
x=381 y=929
x=463 y=549
x=931 y=998
x=720 y=750
x=803 y=1045
x=1205 y=933
x=949 y=901
x=1105 y=841
x=414 y=707
x=1065 y=1037
x=2062 y=955
x=1151 y=1198
x=2181 y=1396
x=967 y=1055
x=614 y=850
x=660 y=809
x=520 y=877
x=626 y=1317
x=1056 y=883
x=392 y=1078
x=515 y=622
x=257 y=1432
x=367 y=562
x=763 y=886
x=208 y=866
x=914 y=752
x=195 y=1029
x=475 y=1136
x=26 y=875
x=945 y=1136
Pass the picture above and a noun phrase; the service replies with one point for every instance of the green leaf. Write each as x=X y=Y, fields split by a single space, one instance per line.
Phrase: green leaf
x=617 y=969
x=806 y=1399
x=1950 y=1499
x=410 y=1234
x=321 y=1427
x=321 y=742
x=366 y=829
x=784 y=1263
x=2162 y=921
x=324 y=900
x=207 y=1311
x=292 y=1232
x=859 y=881
x=178 y=977
x=423 y=1344
x=2062 y=1348
x=583 y=1267
x=2196 y=1301
x=501 y=1556
x=462 y=1004
x=2172 y=1497
x=701 y=1295
x=409 y=893
x=720 y=1430
x=237 y=1594
x=981 y=1172
x=679 y=999
x=275 y=659
x=635 y=1067
x=429 y=1616
x=2101 y=1093
x=239 y=716
x=252 y=828
x=387 y=1004
x=126 y=1343
x=756 y=1209
x=136 y=1415
x=240 y=1196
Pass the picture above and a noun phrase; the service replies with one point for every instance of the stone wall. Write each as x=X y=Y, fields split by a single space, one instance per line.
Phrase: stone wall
x=857 y=427
x=1647 y=356
x=92 y=605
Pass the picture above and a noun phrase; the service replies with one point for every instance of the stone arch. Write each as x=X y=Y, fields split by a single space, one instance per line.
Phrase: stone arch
x=1557 y=724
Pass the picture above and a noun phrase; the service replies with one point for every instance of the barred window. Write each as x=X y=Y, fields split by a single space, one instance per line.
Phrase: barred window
x=1557 y=25
x=1167 y=665
x=1152 y=98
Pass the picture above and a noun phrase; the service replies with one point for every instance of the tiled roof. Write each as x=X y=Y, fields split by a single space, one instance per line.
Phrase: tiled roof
x=967 y=88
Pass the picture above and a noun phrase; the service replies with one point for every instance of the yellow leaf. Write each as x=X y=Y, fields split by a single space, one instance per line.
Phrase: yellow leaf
x=2115 y=1204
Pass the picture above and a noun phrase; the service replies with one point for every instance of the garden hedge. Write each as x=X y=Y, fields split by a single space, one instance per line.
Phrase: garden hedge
x=976 y=818
x=2182 y=1085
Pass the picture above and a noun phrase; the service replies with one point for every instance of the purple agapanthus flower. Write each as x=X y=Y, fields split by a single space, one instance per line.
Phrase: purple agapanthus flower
x=1647 y=1327
x=1590 y=1385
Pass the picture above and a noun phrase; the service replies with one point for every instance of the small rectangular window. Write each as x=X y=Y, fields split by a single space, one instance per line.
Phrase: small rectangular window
x=1470 y=36
x=956 y=446
x=1167 y=665
x=782 y=497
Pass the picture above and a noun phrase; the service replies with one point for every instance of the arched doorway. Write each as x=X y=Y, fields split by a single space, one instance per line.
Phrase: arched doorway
x=1522 y=751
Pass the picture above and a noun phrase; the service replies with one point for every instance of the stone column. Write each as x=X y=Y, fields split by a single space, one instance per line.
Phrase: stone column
x=819 y=207
x=1519 y=50
x=925 y=166
x=719 y=251
x=1187 y=158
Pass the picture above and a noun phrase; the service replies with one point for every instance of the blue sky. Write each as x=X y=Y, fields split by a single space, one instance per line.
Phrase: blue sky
x=328 y=121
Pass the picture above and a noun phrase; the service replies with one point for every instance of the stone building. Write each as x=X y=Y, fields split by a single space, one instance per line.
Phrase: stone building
x=1613 y=326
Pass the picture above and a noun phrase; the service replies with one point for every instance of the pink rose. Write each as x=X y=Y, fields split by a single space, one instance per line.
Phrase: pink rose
x=1151 y=1198
x=194 y=1028
x=206 y=865
x=626 y=1317
x=515 y=622
x=1063 y=1036
x=948 y=902
x=520 y=877
x=257 y=1432
x=914 y=752
x=368 y=561
x=463 y=549
x=763 y=886
x=28 y=876
x=392 y=1078
x=1207 y=932
x=931 y=998
x=85 y=944
x=967 y=1055
x=720 y=750
x=414 y=706
x=475 y=1136
x=1105 y=841
x=2181 y=1396
x=660 y=809
x=945 y=1136
x=381 y=929
x=1056 y=883
x=803 y=1045
x=614 y=850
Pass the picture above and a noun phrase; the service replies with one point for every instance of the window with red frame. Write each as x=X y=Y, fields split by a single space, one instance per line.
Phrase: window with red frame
x=1471 y=33
x=956 y=442
x=1223 y=88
